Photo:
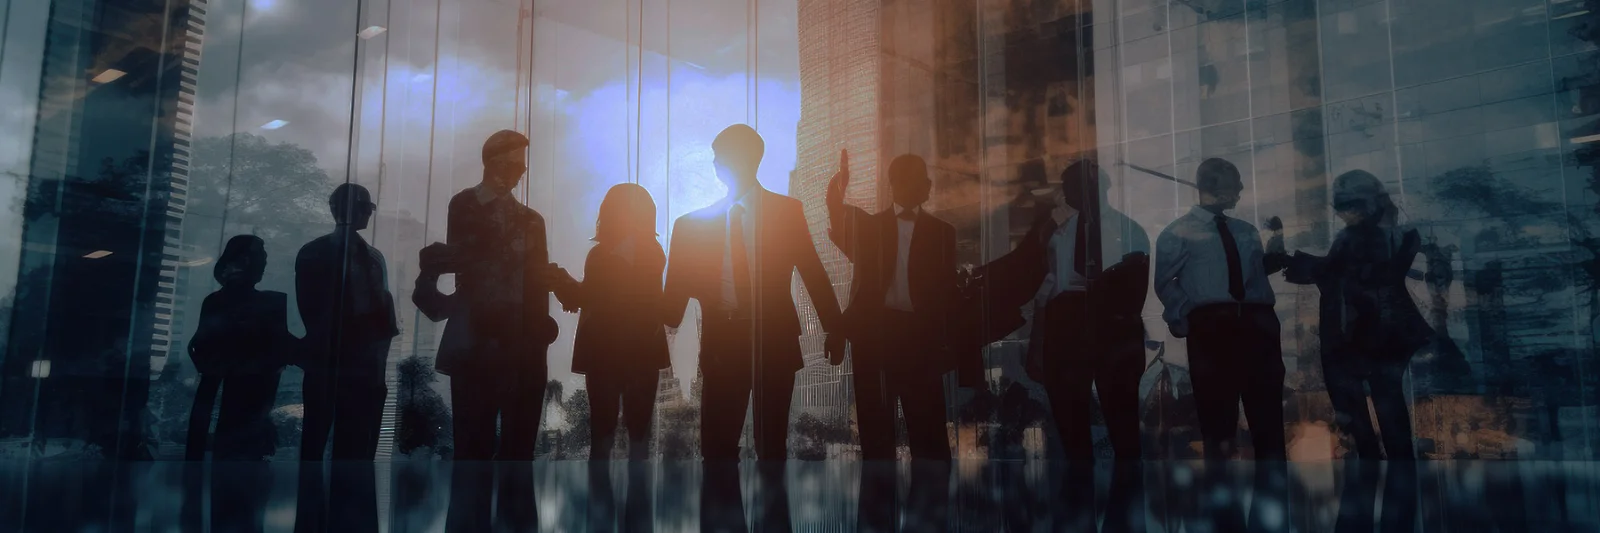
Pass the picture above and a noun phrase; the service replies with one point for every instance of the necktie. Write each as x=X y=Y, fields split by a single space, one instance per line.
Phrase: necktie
x=741 y=261
x=1235 y=268
x=907 y=215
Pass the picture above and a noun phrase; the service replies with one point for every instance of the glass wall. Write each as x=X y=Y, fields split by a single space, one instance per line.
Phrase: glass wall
x=142 y=135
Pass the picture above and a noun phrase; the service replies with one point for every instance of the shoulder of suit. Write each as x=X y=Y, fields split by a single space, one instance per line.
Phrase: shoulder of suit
x=782 y=200
x=317 y=245
x=701 y=214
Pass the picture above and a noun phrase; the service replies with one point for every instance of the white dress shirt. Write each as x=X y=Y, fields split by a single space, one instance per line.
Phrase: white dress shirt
x=1115 y=242
x=898 y=296
x=1062 y=277
x=1191 y=268
x=746 y=206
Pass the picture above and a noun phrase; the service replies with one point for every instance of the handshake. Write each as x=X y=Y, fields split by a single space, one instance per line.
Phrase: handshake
x=439 y=258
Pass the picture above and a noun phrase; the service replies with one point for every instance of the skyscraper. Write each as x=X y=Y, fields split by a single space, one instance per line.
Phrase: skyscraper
x=177 y=259
x=839 y=82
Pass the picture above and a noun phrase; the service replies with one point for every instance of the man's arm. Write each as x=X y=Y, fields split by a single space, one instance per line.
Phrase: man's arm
x=675 y=296
x=1171 y=257
x=432 y=303
x=311 y=288
x=812 y=275
x=535 y=292
x=844 y=220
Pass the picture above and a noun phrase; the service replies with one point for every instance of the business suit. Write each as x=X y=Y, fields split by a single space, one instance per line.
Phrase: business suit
x=499 y=329
x=343 y=297
x=1370 y=327
x=755 y=346
x=901 y=354
x=1087 y=329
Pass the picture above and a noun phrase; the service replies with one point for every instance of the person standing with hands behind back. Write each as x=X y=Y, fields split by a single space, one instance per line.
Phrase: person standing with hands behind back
x=343 y=294
x=1211 y=275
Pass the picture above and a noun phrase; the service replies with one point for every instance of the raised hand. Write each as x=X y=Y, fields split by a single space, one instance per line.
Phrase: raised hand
x=840 y=181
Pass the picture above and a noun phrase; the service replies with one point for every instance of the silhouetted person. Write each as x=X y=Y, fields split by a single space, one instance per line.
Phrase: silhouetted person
x=496 y=340
x=738 y=258
x=1211 y=277
x=621 y=345
x=1087 y=328
x=500 y=329
x=1370 y=325
x=343 y=294
x=241 y=347
x=900 y=309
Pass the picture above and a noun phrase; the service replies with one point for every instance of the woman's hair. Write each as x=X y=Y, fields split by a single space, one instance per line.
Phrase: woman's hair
x=244 y=260
x=1359 y=189
x=626 y=211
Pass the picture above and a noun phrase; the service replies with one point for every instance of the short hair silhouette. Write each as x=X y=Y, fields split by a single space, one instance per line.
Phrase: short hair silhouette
x=1214 y=173
x=1359 y=189
x=1081 y=171
x=243 y=260
x=503 y=142
x=908 y=169
x=626 y=211
x=344 y=199
x=739 y=147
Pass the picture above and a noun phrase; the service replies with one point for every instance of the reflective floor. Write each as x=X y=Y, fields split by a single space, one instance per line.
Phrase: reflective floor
x=799 y=496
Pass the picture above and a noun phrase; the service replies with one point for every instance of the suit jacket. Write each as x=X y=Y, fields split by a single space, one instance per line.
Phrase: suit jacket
x=500 y=319
x=782 y=245
x=872 y=243
x=619 y=328
x=1115 y=298
x=242 y=332
x=342 y=292
x=1365 y=309
x=990 y=306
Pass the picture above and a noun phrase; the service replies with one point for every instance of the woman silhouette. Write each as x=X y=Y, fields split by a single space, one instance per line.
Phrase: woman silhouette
x=620 y=345
x=240 y=348
x=1370 y=325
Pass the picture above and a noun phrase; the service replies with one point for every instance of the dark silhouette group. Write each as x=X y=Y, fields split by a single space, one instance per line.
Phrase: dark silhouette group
x=912 y=318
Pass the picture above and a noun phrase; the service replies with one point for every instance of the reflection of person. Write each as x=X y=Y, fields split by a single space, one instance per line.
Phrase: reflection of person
x=900 y=309
x=620 y=345
x=1211 y=276
x=343 y=295
x=240 y=347
x=1370 y=325
x=498 y=332
x=738 y=258
x=1087 y=330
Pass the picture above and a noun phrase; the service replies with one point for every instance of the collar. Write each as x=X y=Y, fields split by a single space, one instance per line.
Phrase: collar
x=1204 y=214
x=748 y=200
x=484 y=194
x=899 y=210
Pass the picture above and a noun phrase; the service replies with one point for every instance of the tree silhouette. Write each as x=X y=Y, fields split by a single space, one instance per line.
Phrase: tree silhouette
x=575 y=439
x=425 y=419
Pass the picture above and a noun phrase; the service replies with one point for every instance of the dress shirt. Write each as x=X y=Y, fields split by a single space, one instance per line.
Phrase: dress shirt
x=746 y=204
x=1191 y=267
x=898 y=296
x=1115 y=242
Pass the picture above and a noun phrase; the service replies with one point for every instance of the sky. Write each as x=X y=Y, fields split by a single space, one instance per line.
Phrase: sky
x=443 y=76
